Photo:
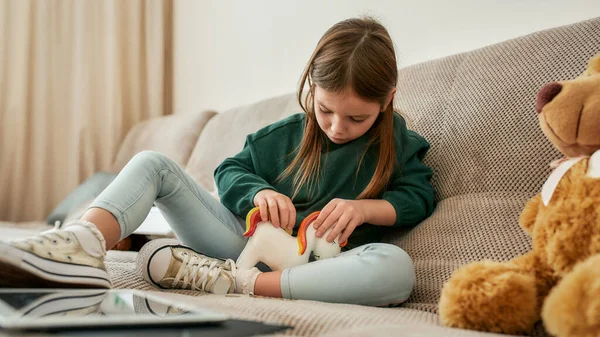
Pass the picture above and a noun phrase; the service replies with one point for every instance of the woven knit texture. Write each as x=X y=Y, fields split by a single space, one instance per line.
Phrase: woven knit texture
x=477 y=109
x=224 y=134
x=488 y=153
x=463 y=229
x=407 y=329
x=308 y=318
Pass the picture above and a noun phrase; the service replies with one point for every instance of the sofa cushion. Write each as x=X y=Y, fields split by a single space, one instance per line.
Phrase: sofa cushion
x=308 y=318
x=19 y=230
x=225 y=134
x=73 y=206
x=173 y=136
x=477 y=109
x=407 y=329
x=462 y=229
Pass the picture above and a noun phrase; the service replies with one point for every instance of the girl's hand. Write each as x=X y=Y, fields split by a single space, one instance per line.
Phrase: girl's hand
x=277 y=208
x=343 y=215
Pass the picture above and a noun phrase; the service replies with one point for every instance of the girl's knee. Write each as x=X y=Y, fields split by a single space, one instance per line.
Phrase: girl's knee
x=393 y=269
x=151 y=158
x=389 y=255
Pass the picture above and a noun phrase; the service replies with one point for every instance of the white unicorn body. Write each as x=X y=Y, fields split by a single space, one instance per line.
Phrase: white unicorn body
x=279 y=250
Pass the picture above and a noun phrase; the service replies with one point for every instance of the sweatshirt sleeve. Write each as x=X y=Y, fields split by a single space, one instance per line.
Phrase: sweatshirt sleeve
x=238 y=182
x=410 y=191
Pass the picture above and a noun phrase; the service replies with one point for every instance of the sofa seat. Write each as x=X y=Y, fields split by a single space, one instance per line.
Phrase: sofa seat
x=308 y=318
x=14 y=230
x=462 y=229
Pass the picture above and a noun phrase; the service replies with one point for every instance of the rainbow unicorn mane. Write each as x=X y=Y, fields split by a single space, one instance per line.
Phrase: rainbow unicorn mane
x=302 y=232
x=252 y=219
x=280 y=250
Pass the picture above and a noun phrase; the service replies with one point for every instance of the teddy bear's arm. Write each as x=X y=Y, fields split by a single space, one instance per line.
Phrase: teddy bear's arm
x=492 y=296
x=531 y=263
x=573 y=306
x=529 y=214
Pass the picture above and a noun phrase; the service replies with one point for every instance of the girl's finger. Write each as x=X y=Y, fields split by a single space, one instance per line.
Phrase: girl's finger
x=327 y=223
x=264 y=210
x=273 y=212
x=325 y=212
x=284 y=216
x=292 y=213
x=348 y=231
x=342 y=223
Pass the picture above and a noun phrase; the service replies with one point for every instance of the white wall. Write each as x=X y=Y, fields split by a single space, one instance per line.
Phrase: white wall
x=229 y=52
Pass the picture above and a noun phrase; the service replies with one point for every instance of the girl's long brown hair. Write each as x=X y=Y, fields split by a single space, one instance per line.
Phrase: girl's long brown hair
x=358 y=54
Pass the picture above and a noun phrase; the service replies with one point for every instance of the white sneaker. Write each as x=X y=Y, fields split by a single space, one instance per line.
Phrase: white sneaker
x=72 y=303
x=142 y=304
x=168 y=264
x=51 y=259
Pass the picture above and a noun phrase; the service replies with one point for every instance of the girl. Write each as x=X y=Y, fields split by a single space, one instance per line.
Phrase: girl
x=349 y=155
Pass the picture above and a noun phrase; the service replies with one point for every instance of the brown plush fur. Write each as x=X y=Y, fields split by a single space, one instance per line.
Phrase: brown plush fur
x=571 y=120
x=573 y=307
x=559 y=279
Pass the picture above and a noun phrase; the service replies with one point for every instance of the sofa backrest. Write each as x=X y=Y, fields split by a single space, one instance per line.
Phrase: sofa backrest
x=488 y=153
x=477 y=109
x=224 y=135
x=175 y=136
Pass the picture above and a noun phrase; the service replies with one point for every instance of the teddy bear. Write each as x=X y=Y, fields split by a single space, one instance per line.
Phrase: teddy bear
x=558 y=281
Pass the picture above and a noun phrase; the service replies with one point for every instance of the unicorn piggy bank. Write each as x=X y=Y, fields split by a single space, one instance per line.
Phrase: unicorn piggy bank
x=278 y=249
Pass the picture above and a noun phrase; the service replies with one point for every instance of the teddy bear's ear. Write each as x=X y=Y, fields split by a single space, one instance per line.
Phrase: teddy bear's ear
x=593 y=66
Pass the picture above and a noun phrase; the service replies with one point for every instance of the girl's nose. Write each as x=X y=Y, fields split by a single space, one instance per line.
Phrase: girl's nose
x=336 y=128
x=334 y=124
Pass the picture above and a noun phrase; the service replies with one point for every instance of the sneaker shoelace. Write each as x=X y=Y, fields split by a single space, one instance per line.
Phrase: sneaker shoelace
x=202 y=271
x=51 y=236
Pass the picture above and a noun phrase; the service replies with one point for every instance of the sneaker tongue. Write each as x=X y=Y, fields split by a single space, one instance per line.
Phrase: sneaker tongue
x=173 y=269
x=175 y=265
x=221 y=286
x=219 y=281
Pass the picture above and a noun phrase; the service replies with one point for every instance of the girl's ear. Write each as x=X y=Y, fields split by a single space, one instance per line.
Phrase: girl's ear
x=389 y=99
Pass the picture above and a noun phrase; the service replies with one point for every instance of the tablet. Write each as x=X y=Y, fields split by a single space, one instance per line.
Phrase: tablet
x=52 y=309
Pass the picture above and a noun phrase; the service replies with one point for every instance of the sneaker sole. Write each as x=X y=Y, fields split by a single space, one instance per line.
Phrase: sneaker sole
x=21 y=269
x=146 y=253
x=57 y=303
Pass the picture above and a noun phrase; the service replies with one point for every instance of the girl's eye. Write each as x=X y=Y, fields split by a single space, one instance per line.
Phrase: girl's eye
x=325 y=111
x=356 y=120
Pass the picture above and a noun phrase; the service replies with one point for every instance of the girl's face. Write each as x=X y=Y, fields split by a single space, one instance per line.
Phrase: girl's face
x=344 y=116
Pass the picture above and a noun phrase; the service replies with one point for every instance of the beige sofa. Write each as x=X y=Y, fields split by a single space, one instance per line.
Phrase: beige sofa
x=489 y=156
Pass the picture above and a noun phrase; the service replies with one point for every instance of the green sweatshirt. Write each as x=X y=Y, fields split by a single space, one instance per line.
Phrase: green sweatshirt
x=269 y=151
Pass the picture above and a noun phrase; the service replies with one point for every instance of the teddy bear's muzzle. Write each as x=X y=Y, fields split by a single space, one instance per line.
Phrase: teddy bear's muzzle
x=546 y=94
x=569 y=114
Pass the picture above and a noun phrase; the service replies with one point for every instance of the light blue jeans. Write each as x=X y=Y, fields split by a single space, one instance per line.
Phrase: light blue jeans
x=373 y=274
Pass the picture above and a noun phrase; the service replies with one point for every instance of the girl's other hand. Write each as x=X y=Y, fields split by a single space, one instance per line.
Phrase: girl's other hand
x=277 y=208
x=343 y=215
